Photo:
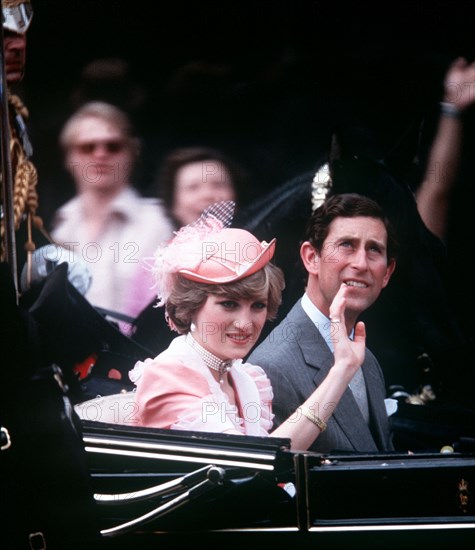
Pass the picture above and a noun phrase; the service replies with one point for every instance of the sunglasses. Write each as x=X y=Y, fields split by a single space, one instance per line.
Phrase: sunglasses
x=111 y=146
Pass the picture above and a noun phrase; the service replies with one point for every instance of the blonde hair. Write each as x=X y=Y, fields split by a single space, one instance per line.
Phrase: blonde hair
x=103 y=111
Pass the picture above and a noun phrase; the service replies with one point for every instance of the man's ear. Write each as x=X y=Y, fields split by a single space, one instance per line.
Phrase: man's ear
x=68 y=165
x=310 y=258
x=389 y=271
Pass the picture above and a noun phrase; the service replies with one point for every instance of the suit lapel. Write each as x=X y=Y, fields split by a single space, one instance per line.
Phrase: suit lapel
x=377 y=406
x=358 y=433
x=312 y=344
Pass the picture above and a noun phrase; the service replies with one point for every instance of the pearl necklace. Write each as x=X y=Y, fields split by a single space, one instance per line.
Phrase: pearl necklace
x=211 y=361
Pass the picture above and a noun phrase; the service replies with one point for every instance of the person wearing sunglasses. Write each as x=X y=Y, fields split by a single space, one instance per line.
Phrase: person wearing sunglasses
x=108 y=223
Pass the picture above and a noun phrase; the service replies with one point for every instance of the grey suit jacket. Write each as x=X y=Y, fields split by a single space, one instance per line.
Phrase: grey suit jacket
x=296 y=358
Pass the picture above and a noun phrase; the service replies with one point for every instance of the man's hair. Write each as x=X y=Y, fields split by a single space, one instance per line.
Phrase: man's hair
x=103 y=111
x=187 y=296
x=347 y=205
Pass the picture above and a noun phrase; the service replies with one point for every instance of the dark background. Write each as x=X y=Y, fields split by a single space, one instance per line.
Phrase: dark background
x=265 y=80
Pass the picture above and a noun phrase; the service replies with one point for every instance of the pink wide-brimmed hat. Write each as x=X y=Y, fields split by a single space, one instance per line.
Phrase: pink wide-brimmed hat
x=229 y=255
x=208 y=251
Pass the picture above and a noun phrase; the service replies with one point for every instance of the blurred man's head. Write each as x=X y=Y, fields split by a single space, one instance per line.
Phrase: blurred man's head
x=100 y=147
x=16 y=16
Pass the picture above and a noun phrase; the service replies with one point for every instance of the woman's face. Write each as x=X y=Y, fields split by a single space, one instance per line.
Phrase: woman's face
x=229 y=327
x=197 y=185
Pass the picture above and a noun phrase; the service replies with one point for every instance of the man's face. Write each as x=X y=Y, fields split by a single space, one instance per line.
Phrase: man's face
x=354 y=253
x=99 y=156
x=15 y=55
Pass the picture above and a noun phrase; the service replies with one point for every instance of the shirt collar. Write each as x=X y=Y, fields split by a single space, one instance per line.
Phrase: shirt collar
x=123 y=204
x=321 y=321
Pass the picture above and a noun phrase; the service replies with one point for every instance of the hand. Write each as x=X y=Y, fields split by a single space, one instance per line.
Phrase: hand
x=459 y=84
x=348 y=353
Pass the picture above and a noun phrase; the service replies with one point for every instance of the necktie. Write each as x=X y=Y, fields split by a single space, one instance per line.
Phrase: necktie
x=358 y=388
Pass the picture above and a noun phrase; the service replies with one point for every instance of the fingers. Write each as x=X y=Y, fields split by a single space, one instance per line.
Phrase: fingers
x=337 y=307
x=360 y=332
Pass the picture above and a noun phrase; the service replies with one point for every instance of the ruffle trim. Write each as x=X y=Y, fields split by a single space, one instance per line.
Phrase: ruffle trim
x=266 y=396
x=214 y=412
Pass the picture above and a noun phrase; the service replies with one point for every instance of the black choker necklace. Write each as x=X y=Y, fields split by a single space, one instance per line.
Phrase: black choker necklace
x=211 y=361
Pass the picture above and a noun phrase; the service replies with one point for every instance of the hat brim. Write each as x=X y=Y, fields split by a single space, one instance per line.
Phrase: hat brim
x=261 y=260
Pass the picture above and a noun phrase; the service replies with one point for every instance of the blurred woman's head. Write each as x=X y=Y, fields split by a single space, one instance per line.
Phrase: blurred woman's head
x=192 y=178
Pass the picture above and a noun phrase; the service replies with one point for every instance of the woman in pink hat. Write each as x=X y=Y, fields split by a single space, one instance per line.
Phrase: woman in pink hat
x=219 y=287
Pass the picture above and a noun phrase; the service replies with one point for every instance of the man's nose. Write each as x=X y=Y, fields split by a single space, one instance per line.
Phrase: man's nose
x=360 y=259
x=15 y=43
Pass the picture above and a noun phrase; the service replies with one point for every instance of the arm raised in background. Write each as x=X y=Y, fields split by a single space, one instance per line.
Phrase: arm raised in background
x=433 y=195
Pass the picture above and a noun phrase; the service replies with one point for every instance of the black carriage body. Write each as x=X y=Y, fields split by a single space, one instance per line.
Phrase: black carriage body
x=389 y=490
x=267 y=493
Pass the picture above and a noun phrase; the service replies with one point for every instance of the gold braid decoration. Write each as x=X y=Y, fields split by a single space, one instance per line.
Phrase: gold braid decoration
x=25 y=179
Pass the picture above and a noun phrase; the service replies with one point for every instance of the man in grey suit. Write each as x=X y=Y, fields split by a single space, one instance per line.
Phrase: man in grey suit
x=350 y=244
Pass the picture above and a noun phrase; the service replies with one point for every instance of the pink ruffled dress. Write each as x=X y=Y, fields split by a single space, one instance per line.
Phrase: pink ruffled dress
x=177 y=390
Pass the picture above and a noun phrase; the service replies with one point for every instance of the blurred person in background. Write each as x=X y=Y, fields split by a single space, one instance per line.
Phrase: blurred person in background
x=108 y=223
x=192 y=178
